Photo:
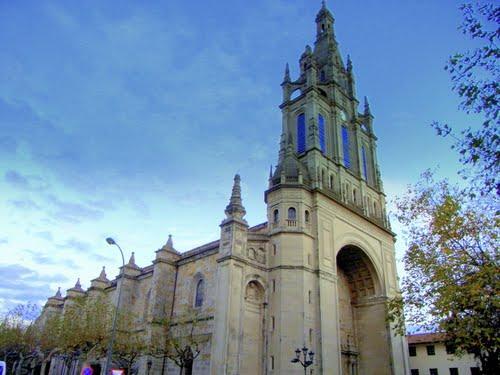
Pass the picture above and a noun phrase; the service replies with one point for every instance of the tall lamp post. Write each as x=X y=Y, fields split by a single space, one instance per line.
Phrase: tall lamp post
x=109 y=353
x=303 y=361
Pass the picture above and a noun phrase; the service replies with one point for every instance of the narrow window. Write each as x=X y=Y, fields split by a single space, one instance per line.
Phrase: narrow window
x=310 y=297
x=363 y=155
x=274 y=249
x=414 y=372
x=345 y=147
x=354 y=195
x=310 y=335
x=306 y=216
x=431 y=350
x=274 y=285
x=272 y=323
x=276 y=216
x=321 y=125
x=433 y=371
x=301 y=133
x=272 y=362
x=453 y=371
x=412 y=350
x=322 y=76
x=200 y=291
x=331 y=182
x=292 y=214
x=309 y=259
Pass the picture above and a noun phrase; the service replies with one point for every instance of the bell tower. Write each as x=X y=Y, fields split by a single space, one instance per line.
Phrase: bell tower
x=332 y=264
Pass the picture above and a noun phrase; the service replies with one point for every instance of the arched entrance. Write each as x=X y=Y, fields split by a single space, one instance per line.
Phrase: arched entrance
x=252 y=340
x=363 y=332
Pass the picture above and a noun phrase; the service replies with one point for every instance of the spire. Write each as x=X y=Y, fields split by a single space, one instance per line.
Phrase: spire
x=78 y=285
x=58 y=293
x=235 y=207
x=286 y=78
x=131 y=261
x=102 y=275
x=349 y=64
x=170 y=242
x=367 y=108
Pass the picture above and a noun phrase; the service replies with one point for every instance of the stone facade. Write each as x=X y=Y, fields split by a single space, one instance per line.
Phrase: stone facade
x=317 y=273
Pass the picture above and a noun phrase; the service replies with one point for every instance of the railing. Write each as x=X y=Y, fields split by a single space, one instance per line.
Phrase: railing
x=291 y=223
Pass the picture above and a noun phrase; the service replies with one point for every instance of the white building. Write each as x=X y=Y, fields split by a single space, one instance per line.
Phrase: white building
x=430 y=355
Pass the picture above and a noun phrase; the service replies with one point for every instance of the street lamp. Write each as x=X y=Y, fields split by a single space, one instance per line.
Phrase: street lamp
x=149 y=364
x=109 y=353
x=304 y=361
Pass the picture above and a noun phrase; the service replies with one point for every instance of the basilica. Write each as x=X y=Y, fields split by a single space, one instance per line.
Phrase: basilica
x=318 y=273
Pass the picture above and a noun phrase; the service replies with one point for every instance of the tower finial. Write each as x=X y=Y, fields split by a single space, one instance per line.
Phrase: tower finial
x=58 y=293
x=367 y=107
x=102 y=275
x=287 y=74
x=235 y=207
x=349 y=64
x=170 y=242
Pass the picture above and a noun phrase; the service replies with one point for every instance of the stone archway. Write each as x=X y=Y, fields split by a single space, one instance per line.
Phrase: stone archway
x=363 y=331
x=252 y=339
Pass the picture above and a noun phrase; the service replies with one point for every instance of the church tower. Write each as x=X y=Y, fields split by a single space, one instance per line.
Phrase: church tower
x=332 y=261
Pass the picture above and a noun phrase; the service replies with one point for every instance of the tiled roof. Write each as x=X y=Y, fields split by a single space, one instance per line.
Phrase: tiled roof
x=421 y=338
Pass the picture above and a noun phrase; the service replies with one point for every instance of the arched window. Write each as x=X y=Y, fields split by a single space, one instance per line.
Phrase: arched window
x=306 y=216
x=292 y=214
x=346 y=147
x=322 y=76
x=322 y=141
x=200 y=292
x=276 y=216
x=301 y=133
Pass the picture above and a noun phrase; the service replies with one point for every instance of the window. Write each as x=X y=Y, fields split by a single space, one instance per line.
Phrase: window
x=306 y=216
x=292 y=214
x=274 y=249
x=272 y=323
x=363 y=155
x=414 y=372
x=474 y=371
x=331 y=182
x=310 y=335
x=310 y=297
x=433 y=371
x=200 y=291
x=309 y=259
x=450 y=349
x=322 y=141
x=345 y=147
x=274 y=285
x=301 y=133
x=276 y=216
x=272 y=362
x=453 y=371
x=412 y=349
x=322 y=76
x=431 y=350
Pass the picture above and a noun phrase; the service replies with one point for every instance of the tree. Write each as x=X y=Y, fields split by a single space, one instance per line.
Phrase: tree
x=452 y=266
x=476 y=79
x=178 y=340
x=130 y=343
x=18 y=335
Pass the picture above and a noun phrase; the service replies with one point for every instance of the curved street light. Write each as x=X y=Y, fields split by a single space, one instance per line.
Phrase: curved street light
x=109 y=353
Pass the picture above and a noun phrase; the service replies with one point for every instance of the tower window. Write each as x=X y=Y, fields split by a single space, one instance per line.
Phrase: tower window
x=322 y=76
x=200 y=291
x=306 y=216
x=276 y=216
x=274 y=285
x=309 y=296
x=292 y=214
x=301 y=133
x=345 y=147
x=322 y=143
x=363 y=156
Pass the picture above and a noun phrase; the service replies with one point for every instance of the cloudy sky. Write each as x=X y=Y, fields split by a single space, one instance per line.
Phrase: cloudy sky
x=130 y=121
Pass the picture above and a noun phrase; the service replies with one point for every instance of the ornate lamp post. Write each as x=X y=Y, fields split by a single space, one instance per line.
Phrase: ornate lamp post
x=303 y=361
x=109 y=353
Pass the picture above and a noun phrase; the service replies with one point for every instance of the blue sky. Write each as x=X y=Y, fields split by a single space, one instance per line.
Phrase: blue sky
x=130 y=121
